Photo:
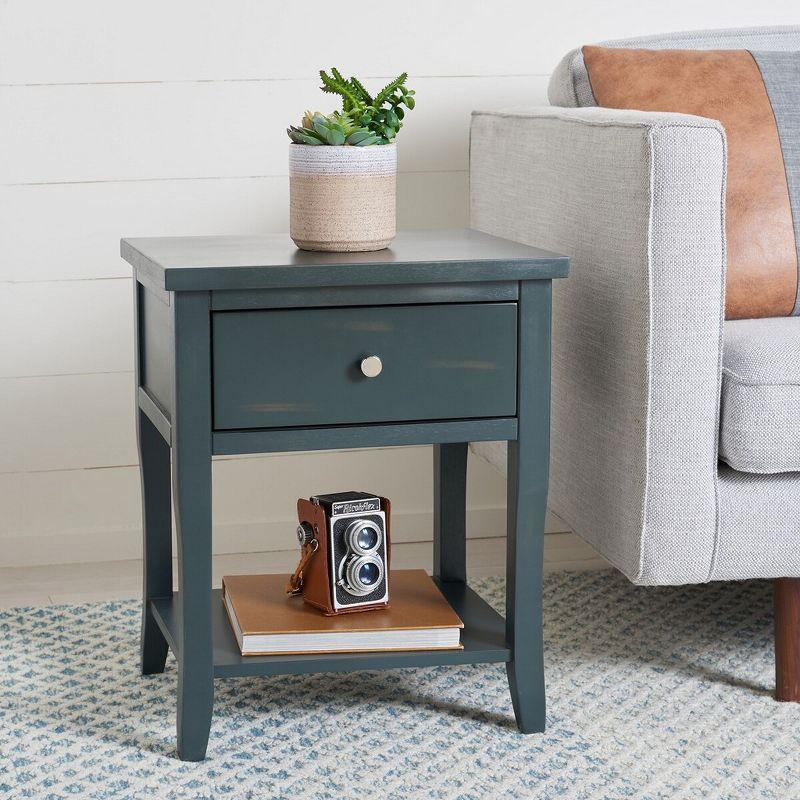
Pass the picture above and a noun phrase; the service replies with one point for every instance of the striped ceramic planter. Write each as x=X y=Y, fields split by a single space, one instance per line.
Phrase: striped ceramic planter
x=342 y=198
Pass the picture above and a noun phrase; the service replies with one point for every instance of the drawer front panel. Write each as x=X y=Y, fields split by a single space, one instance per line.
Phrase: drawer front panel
x=303 y=366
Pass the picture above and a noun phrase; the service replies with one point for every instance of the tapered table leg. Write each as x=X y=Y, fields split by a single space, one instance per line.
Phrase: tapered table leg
x=449 y=511
x=528 y=466
x=191 y=486
x=157 y=549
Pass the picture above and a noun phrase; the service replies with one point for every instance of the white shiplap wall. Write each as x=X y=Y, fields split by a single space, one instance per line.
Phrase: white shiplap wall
x=168 y=118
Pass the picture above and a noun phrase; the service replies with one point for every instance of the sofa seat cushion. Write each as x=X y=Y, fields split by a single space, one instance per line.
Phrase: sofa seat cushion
x=760 y=412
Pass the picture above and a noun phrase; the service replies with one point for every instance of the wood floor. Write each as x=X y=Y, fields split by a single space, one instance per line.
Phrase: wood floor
x=115 y=580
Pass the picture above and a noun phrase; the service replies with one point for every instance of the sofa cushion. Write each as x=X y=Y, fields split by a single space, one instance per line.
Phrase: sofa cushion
x=760 y=411
x=569 y=83
x=756 y=96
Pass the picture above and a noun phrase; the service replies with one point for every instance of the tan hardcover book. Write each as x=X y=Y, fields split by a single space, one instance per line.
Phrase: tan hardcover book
x=268 y=622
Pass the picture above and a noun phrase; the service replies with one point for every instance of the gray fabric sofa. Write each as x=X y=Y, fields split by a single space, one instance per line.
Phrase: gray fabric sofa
x=675 y=434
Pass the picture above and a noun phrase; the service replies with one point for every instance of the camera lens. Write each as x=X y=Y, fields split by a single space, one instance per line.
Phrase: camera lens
x=363 y=573
x=368 y=574
x=367 y=538
x=362 y=536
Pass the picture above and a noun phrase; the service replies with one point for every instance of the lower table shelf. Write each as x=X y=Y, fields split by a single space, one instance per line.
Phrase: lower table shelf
x=483 y=638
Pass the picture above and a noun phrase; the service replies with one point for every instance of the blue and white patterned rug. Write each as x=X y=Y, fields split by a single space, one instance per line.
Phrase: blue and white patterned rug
x=653 y=693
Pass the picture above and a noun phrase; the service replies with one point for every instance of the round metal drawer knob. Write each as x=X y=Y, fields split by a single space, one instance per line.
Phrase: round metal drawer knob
x=371 y=366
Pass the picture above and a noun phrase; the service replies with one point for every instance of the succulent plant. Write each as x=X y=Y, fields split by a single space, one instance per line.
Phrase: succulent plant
x=333 y=129
x=364 y=120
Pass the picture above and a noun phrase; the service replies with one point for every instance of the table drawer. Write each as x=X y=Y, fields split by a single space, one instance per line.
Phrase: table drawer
x=303 y=366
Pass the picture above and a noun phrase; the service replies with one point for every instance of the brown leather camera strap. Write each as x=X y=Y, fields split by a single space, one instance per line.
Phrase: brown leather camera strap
x=295 y=583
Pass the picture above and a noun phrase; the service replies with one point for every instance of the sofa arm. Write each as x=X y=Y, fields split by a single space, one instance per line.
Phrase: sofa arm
x=636 y=199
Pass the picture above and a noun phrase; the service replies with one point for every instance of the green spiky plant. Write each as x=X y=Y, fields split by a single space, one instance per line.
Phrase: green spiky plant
x=364 y=120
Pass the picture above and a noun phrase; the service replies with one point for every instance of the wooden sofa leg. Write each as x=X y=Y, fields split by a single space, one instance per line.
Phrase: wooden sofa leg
x=786 y=594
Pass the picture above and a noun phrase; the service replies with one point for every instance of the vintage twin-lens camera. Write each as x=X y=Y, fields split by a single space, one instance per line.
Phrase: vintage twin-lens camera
x=344 y=560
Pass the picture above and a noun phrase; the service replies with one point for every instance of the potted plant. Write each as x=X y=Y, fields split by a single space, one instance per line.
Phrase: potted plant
x=343 y=167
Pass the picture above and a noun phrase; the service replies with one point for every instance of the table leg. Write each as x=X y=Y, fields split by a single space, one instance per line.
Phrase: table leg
x=528 y=466
x=157 y=524
x=450 y=511
x=191 y=486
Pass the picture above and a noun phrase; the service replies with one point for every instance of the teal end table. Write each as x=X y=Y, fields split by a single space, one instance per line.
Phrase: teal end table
x=247 y=345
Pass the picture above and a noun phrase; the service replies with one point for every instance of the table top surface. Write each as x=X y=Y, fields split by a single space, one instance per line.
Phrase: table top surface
x=202 y=263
